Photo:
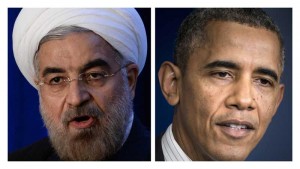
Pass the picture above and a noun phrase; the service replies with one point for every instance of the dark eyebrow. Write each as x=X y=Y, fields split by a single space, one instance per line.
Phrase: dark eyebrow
x=94 y=63
x=221 y=63
x=268 y=72
x=91 y=64
x=49 y=70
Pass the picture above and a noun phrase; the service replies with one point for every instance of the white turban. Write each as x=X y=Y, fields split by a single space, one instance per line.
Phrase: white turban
x=122 y=28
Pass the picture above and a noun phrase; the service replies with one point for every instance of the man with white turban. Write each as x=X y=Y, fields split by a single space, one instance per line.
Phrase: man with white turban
x=84 y=64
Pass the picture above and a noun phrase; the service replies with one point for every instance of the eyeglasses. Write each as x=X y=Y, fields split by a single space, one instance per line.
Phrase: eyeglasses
x=56 y=84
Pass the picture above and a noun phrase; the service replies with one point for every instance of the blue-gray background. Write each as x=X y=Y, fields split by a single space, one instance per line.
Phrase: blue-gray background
x=25 y=125
x=276 y=145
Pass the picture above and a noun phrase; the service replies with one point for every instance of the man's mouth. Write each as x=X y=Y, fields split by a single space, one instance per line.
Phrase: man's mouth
x=236 y=128
x=81 y=122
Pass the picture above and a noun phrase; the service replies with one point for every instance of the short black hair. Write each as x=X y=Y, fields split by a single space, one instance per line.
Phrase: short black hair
x=192 y=32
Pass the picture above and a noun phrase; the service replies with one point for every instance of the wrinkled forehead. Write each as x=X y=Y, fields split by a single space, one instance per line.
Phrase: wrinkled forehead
x=224 y=33
x=75 y=50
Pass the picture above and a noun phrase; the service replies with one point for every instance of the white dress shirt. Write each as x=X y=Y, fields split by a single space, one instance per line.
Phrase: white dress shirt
x=171 y=150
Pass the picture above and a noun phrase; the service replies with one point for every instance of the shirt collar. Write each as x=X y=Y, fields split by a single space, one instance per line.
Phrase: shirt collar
x=171 y=150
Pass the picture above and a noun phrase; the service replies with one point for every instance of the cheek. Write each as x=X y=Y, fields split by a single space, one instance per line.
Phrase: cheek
x=266 y=108
x=202 y=102
x=53 y=106
x=102 y=99
x=105 y=96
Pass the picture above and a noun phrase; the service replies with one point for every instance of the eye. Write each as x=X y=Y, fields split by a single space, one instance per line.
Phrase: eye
x=222 y=75
x=95 y=75
x=264 y=82
x=56 y=80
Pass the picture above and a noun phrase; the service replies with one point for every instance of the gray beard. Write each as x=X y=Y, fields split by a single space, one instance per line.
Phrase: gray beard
x=101 y=140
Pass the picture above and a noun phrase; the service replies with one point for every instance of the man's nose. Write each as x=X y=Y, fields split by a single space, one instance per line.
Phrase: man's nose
x=77 y=93
x=241 y=97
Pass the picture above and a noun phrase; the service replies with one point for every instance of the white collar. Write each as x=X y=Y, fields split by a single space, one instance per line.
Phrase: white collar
x=171 y=150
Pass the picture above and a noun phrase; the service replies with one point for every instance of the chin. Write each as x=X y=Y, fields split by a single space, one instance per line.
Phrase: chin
x=230 y=155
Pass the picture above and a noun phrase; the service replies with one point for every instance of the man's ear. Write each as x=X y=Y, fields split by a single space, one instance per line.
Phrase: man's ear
x=132 y=74
x=169 y=80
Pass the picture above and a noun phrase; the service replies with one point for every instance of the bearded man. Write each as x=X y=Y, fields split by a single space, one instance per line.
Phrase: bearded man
x=84 y=64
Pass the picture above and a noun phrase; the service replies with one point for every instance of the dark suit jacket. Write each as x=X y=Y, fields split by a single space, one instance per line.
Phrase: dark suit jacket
x=159 y=156
x=136 y=148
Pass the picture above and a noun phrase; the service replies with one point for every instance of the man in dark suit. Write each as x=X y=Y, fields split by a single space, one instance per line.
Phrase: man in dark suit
x=84 y=64
x=224 y=84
